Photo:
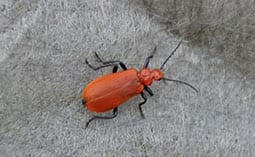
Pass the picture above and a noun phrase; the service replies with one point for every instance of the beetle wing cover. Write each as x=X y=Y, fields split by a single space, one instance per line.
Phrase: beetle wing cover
x=109 y=91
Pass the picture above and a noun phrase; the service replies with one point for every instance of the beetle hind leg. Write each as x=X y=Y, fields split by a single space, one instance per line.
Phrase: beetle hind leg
x=107 y=64
x=114 y=114
x=83 y=102
x=114 y=63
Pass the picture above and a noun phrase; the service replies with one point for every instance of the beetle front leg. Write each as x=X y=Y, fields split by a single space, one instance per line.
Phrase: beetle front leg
x=148 y=90
x=144 y=99
x=114 y=114
x=141 y=103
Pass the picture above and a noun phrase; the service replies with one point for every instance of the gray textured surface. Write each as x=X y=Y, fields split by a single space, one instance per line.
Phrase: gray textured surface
x=43 y=45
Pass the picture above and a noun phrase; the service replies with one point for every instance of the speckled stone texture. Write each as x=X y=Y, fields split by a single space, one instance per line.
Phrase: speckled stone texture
x=43 y=45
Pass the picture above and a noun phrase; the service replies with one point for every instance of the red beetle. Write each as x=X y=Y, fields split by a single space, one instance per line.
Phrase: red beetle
x=110 y=91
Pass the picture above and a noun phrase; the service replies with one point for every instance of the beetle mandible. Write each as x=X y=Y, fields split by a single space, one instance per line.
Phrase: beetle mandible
x=110 y=91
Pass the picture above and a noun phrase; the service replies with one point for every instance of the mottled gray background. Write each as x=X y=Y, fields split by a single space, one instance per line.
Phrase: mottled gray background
x=43 y=45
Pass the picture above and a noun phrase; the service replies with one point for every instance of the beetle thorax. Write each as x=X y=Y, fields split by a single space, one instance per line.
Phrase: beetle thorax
x=147 y=76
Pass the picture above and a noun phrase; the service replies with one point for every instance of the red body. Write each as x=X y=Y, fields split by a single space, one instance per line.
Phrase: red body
x=109 y=91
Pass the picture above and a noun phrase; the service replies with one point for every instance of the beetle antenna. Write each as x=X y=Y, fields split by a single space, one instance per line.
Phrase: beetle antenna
x=161 y=67
x=181 y=82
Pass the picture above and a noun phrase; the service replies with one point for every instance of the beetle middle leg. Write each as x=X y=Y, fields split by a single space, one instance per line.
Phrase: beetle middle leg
x=147 y=60
x=114 y=114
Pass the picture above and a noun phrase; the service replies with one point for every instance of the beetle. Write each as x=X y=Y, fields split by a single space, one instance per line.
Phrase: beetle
x=110 y=91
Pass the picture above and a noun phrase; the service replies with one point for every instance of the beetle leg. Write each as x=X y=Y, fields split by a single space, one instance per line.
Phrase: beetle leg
x=97 y=56
x=83 y=102
x=147 y=60
x=115 y=69
x=107 y=63
x=114 y=114
x=115 y=66
x=122 y=65
x=148 y=90
x=141 y=103
x=100 y=67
